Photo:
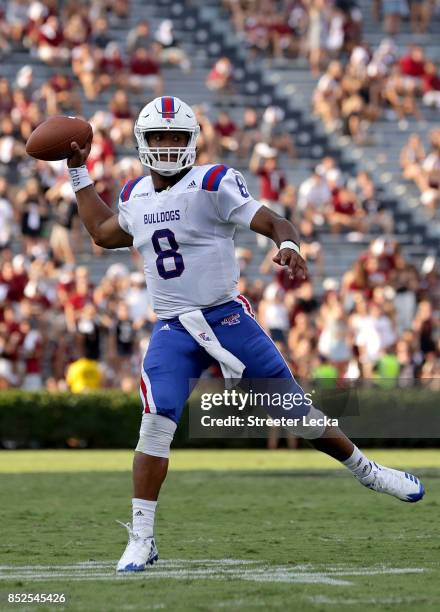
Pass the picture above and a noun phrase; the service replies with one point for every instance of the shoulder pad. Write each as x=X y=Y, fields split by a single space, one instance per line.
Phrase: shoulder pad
x=128 y=188
x=212 y=178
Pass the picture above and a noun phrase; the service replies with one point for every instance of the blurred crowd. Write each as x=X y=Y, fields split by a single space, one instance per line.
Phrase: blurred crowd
x=320 y=30
x=377 y=322
x=357 y=84
x=317 y=29
x=422 y=167
x=373 y=84
x=76 y=35
x=59 y=329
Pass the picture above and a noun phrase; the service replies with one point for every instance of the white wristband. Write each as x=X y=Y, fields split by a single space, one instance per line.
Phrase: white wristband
x=80 y=178
x=289 y=244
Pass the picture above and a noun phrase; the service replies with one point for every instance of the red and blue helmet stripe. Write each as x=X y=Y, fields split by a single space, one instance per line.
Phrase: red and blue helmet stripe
x=167 y=103
x=212 y=179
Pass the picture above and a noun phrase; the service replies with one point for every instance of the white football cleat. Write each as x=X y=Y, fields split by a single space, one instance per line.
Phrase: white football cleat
x=402 y=485
x=139 y=553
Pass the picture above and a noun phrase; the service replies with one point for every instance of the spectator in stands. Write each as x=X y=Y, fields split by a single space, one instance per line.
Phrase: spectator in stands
x=328 y=94
x=76 y=31
x=314 y=198
x=345 y=213
x=412 y=156
x=102 y=153
x=333 y=341
x=206 y=144
x=420 y=13
x=65 y=94
x=424 y=170
x=6 y=215
x=412 y=66
x=7 y=377
x=63 y=215
x=111 y=67
x=288 y=201
x=31 y=353
x=400 y=93
x=317 y=34
x=273 y=314
x=122 y=118
x=405 y=282
x=226 y=134
x=170 y=51
x=250 y=133
x=392 y=11
x=424 y=324
x=264 y=164
x=85 y=66
x=311 y=248
x=219 y=78
x=145 y=72
x=431 y=85
x=139 y=37
x=120 y=8
x=16 y=17
x=34 y=213
x=376 y=218
x=274 y=132
x=11 y=149
x=89 y=332
x=52 y=44
x=77 y=298
x=6 y=102
x=99 y=36
x=125 y=338
x=138 y=301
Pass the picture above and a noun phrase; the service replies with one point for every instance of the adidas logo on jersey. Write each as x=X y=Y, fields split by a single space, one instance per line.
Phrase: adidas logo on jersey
x=165 y=327
x=192 y=185
x=139 y=513
x=141 y=195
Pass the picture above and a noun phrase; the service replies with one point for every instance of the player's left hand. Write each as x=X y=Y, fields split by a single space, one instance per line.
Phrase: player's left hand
x=296 y=264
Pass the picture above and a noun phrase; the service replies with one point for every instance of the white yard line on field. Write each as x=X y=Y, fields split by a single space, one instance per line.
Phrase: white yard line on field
x=200 y=569
x=338 y=601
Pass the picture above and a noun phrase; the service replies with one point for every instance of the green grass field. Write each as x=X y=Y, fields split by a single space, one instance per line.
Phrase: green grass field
x=236 y=530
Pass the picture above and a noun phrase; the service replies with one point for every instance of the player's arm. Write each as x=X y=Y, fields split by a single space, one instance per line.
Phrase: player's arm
x=280 y=230
x=100 y=221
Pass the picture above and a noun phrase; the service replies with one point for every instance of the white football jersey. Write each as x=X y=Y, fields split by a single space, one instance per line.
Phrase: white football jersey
x=185 y=235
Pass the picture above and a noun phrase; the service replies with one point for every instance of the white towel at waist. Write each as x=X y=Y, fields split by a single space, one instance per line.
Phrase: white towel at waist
x=195 y=324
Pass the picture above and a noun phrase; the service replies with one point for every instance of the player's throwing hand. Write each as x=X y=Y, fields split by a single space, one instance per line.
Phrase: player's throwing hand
x=293 y=260
x=79 y=156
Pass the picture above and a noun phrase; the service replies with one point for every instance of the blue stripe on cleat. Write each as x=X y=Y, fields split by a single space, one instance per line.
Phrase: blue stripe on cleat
x=415 y=497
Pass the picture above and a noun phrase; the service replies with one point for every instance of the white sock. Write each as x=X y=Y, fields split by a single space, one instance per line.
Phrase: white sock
x=358 y=463
x=143 y=516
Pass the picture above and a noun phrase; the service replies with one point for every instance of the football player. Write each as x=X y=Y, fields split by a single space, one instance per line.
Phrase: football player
x=182 y=219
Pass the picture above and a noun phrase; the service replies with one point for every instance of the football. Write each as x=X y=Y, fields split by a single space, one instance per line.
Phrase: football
x=51 y=140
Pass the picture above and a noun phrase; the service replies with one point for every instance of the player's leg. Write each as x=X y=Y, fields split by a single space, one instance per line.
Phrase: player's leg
x=250 y=343
x=172 y=360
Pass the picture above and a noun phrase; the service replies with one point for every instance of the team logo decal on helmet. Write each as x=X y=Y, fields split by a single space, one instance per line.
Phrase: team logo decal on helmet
x=166 y=114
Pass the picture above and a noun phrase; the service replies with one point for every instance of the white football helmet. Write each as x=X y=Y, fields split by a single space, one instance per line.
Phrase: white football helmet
x=163 y=114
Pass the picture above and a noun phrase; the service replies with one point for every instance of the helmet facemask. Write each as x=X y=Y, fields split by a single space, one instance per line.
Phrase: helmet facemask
x=150 y=157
